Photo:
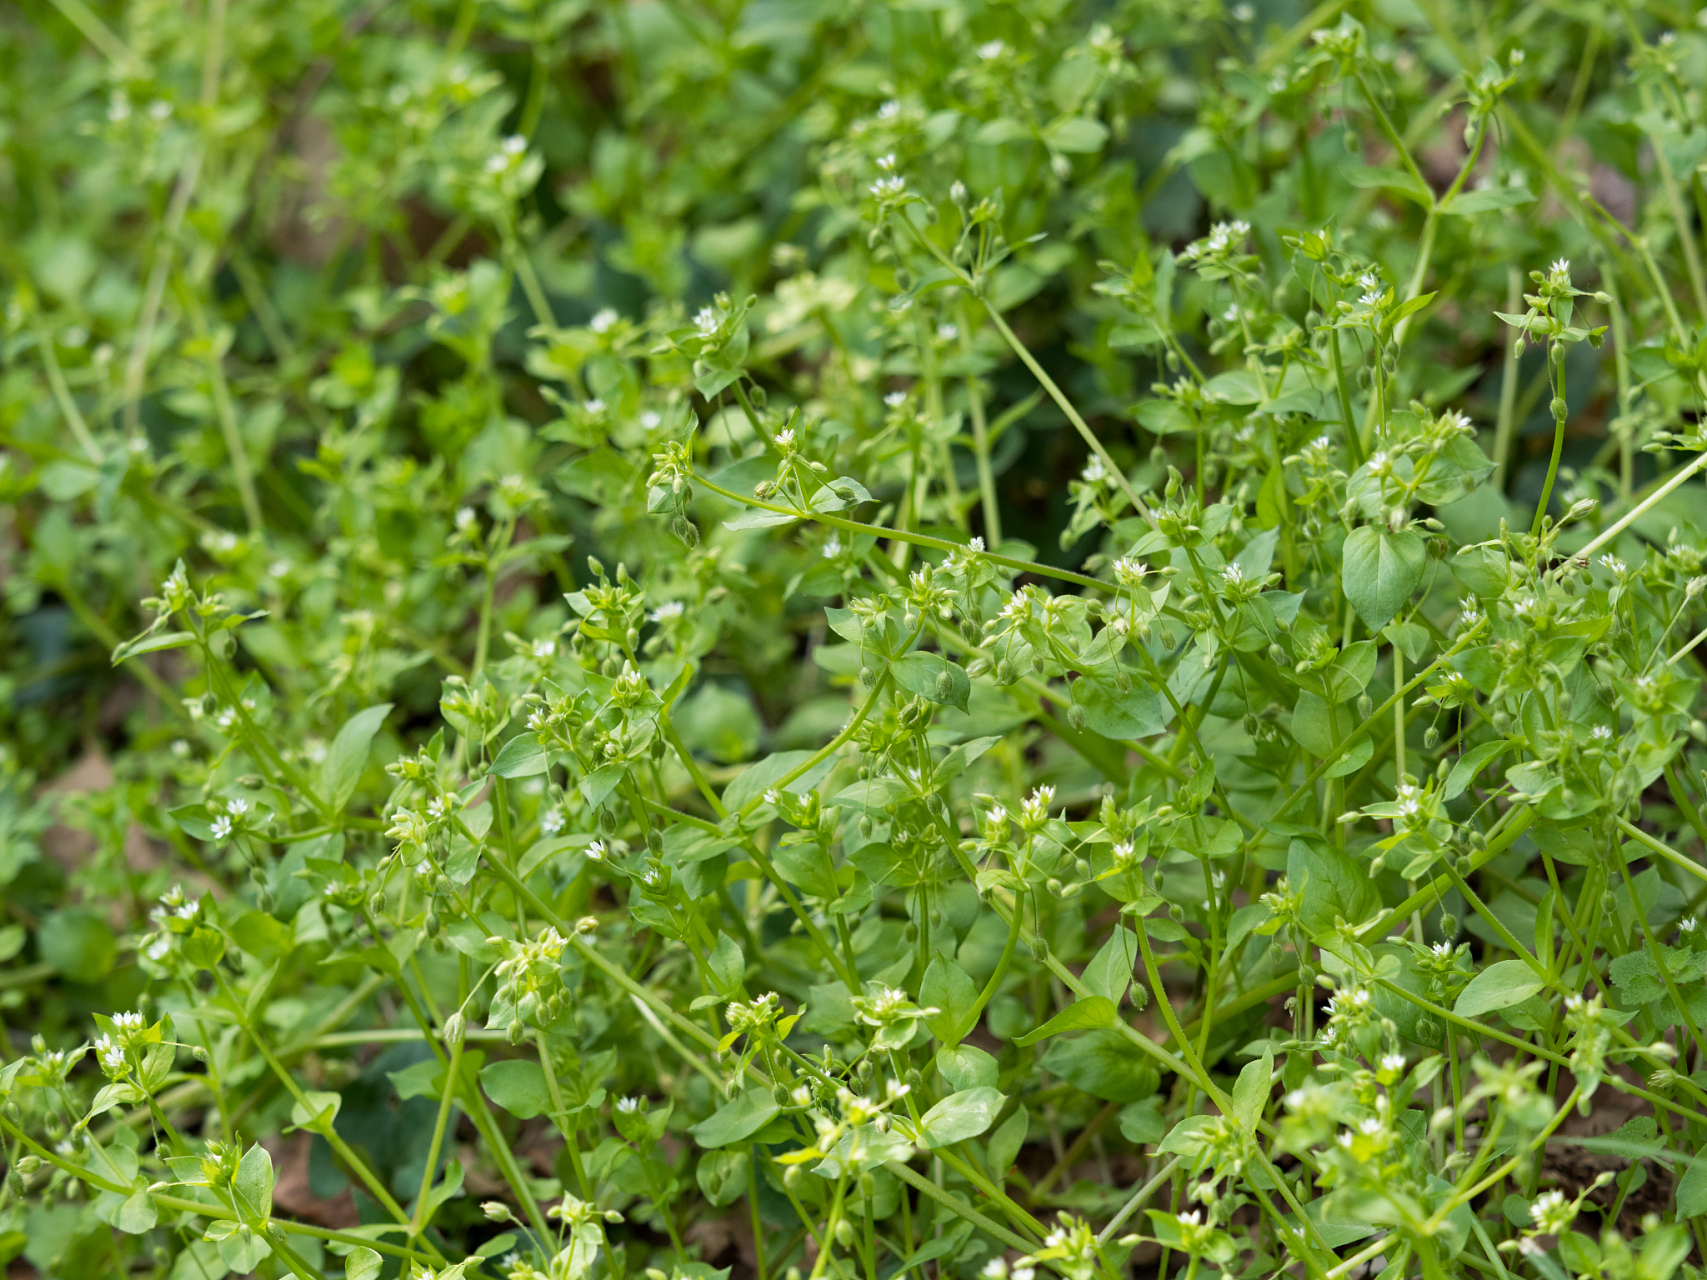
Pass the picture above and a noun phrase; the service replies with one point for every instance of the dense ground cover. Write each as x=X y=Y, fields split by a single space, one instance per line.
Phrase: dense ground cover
x=794 y=639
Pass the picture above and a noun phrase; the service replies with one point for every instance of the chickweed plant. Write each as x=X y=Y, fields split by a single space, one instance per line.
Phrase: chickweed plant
x=843 y=641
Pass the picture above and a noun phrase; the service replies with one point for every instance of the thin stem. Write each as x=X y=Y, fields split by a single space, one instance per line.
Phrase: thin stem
x=989 y=507
x=62 y=397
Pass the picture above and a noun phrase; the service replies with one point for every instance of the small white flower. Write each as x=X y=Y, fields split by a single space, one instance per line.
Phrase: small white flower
x=947 y=332
x=221 y=827
x=628 y=1106
x=551 y=821
x=889 y=110
x=595 y=406
x=706 y=322
x=887 y=162
x=603 y=321
x=785 y=438
x=1601 y=733
x=1036 y=806
x=596 y=851
x=891 y=186
x=668 y=611
x=237 y=807
x=465 y=518
x=990 y=50
x=111 y=1056
x=895 y=399
x=975 y=545
x=544 y=648
x=1094 y=472
x=1393 y=1062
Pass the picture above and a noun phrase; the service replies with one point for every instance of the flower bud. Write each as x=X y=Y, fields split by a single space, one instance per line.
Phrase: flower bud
x=456 y=1028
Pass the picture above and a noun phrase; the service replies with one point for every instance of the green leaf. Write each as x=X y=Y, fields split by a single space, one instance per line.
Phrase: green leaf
x=521 y=757
x=1251 y=1091
x=1499 y=986
x=253 y=1182
x=1081 y=1015
x=736 y=1121
x=1407 y=308
x=362 y=1264
x=1142 y=1124
x=1372 y=177
x=347 y=756
x=518 y=1085
x=601 y=782
x=322 y=1108
x=1468 y=202
x=722 y=1175
x=137 y=1214
x=1380 y=570
x=1692 y=1188
x=1104 y=1064
x=1137 y=713
x=1470 y=764
x=152 y=644
x=1006 y=1141
x=1110 y=971
x=965 y=1067
x=728 y=966
x=78 y=944
x=948 y=988
x=933 y=677
x=755 y=780
x=1077 y=135
x=1332 y=885
x=960 y=1116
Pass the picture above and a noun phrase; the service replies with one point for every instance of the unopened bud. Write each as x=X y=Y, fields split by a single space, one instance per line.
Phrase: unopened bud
x=456 y=1028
